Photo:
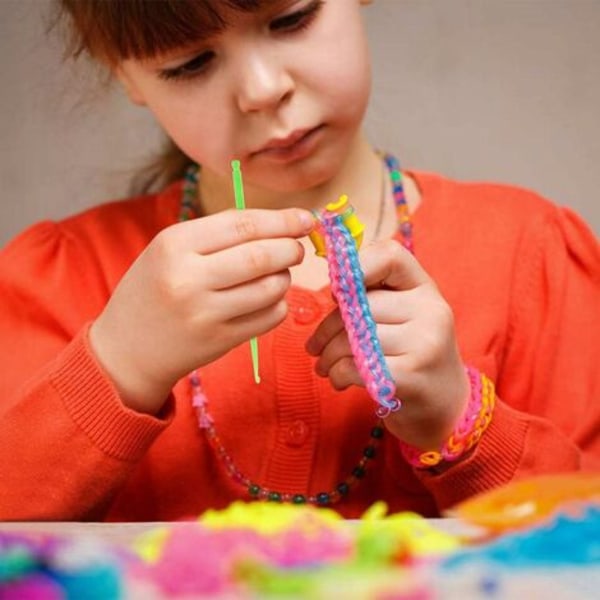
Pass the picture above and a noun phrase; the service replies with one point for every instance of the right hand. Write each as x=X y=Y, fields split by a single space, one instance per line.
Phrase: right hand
x=199 y=289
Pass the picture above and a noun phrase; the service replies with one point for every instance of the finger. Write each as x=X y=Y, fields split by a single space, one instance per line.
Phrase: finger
x=387 y=306
x=393 y=339
x=251 y=297
x=249 y=261
x=392 y=306
x=337 y=348
x=259 y=322
x=327 y=329
x=343 y=373
x=233 y=227
x=389 y=263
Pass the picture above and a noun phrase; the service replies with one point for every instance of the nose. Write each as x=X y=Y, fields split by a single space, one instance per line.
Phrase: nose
x=262 y=82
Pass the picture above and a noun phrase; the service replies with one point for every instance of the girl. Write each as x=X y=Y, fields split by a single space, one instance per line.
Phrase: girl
x=127 y=388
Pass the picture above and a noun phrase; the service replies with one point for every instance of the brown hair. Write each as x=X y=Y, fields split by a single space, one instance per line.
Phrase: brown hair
x=113 y=30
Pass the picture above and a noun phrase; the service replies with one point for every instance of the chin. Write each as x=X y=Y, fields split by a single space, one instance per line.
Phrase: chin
x=298 y=179
x=303 y=175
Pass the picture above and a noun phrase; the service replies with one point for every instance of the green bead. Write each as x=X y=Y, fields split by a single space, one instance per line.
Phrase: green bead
x=274 y=497
x=395 y=175
x=253 y=489
x=299 y=499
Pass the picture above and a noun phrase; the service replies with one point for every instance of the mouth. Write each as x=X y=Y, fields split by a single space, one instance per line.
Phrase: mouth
x=294 y=146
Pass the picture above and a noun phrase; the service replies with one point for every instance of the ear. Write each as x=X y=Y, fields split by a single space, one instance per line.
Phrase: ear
x=131 y=89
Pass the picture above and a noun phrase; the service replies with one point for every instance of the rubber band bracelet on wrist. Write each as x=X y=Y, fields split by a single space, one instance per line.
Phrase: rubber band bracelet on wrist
x=470 y=427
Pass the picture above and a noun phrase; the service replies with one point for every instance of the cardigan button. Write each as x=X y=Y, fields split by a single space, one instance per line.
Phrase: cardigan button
x=297 y=434
x=307 y=312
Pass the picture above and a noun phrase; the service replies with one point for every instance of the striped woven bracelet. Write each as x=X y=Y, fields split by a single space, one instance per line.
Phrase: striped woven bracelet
x=470 y=427
x=337 y=236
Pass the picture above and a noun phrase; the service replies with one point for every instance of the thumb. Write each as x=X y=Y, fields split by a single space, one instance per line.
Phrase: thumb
x=389 y=264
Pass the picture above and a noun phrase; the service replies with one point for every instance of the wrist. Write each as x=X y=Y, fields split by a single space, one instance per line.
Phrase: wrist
x=136 y=392
x=467 y=432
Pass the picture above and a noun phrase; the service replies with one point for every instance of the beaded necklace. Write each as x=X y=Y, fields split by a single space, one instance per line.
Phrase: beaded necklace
x=255 y=491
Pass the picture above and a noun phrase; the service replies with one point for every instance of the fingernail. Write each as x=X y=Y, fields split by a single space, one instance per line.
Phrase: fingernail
x=307 y=220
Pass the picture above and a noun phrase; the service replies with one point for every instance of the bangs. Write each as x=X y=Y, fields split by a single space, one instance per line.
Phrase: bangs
x=115 y=30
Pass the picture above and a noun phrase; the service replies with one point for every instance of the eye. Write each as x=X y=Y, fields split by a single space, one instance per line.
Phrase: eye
x=191 y=68
x=297 y=20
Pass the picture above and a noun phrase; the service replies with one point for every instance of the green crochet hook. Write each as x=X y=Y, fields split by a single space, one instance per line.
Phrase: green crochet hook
x=240 y=204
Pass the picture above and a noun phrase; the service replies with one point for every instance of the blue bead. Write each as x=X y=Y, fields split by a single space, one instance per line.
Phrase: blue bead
x=343 y=488
x=323 y=498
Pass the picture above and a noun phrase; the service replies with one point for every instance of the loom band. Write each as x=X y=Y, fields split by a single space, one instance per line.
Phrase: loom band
x=387 y=405
x=371 y=355
x=352 y=295
x=381 y=388
x=385 y=388
x=355 y=293
x=356 y=347
x=373 y=386
x=382 y=412
x=361 y=330
x=365 y=319
x=365 y=310
x=385 y=395
x=463 y=429
x=375 y=348
x=361 y=324
x=347 y=286
x=350 y=306
x=454 y=445
x=383 y=373
x=430 y=458
x=371 y=337
x=363 y=302
x=353 y=258
x=357 y=273
x=379 y=371
x=376 y=369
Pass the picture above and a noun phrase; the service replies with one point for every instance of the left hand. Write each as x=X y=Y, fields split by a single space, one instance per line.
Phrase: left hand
x=415 y=326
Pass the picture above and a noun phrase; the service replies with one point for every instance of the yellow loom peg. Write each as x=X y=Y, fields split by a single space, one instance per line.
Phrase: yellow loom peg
x=353 y=224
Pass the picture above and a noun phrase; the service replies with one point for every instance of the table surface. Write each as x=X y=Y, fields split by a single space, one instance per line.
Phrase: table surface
x=124 y=533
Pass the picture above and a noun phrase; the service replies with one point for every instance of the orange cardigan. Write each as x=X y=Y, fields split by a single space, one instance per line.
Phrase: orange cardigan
x=523 y=279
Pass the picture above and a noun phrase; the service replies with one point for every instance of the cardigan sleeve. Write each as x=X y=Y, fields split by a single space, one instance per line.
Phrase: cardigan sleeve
x=67 y=443
x=547 y=416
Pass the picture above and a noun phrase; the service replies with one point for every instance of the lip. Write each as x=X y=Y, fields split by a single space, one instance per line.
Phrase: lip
x=292 y=147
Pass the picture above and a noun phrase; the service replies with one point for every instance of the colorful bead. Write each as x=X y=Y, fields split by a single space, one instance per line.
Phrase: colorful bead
x=323 y=498
x=369 y=452
x=377 y=433
x=343 y=489
x=358 y=472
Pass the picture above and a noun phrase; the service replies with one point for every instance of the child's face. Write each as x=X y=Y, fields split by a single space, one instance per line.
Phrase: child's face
x=283 y=89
